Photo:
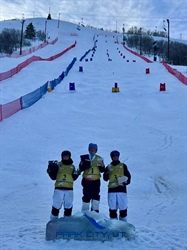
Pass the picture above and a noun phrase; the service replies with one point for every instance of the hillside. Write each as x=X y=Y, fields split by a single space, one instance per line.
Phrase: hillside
x=147 y=126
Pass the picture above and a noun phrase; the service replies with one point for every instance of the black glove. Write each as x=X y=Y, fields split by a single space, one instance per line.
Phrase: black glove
x=102 y=169
x=52 y=169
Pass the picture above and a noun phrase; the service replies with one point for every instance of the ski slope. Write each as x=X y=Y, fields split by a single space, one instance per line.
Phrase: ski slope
x=147 y=126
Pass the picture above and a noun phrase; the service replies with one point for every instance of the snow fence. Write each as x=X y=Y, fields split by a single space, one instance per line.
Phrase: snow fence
x=28 y=51
x=9 y=109
x=174 y=72
x=135 y=53
x=19 y=67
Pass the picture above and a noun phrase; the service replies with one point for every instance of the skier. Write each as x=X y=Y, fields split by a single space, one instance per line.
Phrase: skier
x=119 y=177
x=92 y=165
x=65 y=174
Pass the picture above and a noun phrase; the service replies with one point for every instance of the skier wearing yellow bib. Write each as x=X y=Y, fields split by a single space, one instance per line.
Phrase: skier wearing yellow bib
x=119 y=177
x=92 y=166
x=65 y=174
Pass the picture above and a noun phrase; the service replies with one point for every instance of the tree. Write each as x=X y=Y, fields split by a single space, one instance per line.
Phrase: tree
x=178 y=51
x=9 y=40
x=30 y=32
x=40 y=35
x=49 y=17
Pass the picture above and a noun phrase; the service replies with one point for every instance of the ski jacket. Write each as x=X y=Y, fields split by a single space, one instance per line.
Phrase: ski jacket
x=64 y=174
x=92 y=167
x=111 y=174
x=64 y=177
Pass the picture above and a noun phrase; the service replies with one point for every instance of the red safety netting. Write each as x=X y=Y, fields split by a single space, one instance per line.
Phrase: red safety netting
x=9 y=109
x=22 y=65
x=135 y=53
x=32 y=49
x=176 y=73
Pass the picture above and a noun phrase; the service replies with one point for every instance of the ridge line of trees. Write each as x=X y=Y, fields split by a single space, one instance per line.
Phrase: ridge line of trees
x=136 y=38
x=147 y=45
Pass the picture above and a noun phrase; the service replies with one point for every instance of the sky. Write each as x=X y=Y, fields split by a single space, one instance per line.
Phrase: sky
x=147 y=126
x=113 y=14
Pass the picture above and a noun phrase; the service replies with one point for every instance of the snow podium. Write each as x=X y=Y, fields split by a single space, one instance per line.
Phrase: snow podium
x=89 y=226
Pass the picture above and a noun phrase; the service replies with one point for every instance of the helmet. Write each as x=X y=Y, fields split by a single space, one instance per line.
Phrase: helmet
x=114 y=153
x=65 y=153
x=92 y=145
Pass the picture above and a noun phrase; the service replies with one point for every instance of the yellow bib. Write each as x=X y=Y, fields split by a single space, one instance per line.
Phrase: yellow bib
x=93 y=173
x=114 y=173
x=64 y=176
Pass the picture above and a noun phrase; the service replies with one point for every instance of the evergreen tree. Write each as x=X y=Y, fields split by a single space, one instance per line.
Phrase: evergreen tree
x=49 y=17
x=30 y=32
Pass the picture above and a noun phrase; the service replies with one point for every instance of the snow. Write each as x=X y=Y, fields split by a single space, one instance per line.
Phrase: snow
x=147 y=126
x=182 y=69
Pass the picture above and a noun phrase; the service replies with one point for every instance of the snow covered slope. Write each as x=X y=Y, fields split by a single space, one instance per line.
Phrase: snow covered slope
x=147 y=126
